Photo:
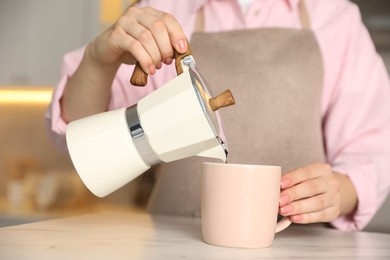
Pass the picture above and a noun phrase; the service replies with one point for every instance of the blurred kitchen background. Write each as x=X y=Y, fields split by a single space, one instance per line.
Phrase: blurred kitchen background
x=37 y=181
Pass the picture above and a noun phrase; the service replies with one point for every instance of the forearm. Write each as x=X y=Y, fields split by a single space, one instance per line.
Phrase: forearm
x=348 y=195
x=88 y=90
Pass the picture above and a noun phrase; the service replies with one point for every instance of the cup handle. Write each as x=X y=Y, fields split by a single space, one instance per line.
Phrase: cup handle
x=282 y=224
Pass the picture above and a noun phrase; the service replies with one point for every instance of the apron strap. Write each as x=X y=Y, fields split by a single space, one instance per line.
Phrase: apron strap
x=199 y=22
x=304 y=15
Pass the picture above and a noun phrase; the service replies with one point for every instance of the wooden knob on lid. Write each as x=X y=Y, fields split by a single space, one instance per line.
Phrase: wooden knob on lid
x=222 y=100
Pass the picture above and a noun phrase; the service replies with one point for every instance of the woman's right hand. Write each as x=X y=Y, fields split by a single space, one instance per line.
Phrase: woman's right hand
x=142 y=34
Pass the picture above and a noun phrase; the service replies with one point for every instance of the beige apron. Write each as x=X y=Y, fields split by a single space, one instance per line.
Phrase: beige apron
x=275 y=75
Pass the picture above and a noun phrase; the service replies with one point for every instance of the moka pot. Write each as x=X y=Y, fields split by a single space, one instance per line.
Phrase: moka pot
x=176 y=121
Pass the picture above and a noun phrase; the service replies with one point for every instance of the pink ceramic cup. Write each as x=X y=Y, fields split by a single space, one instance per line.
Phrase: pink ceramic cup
x=239 y=204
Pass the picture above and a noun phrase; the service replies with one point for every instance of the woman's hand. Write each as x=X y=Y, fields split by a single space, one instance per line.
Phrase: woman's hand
x=143 y=34
x=313 y=194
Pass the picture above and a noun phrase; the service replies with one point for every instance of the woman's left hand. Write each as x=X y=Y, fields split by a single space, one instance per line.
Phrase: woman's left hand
x=310 y=194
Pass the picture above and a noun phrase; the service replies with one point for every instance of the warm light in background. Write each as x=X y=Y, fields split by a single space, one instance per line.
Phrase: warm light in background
x=110 y=10
x=35 y=95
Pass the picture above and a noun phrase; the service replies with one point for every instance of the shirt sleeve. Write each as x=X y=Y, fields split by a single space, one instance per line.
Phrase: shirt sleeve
x=357 y=122
x=53 y=119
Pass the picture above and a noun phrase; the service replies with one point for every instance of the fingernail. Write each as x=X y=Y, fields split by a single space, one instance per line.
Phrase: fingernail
x=284 y=184
x=159 y=66
x=296 y=218
x=152 y=70
x=168 y=61
x=284 y=200
x=182 y=46
x=286 y=209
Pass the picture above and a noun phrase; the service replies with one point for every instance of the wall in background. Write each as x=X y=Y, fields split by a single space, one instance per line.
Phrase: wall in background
x=376 y=16
x=36 y=34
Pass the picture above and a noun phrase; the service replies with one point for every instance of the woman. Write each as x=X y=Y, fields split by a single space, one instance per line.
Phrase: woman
x=305 y=73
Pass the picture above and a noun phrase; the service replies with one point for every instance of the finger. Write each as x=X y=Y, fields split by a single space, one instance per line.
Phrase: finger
x=304 y=173
x=313 y=204
x=159 y=31
x=141 y=34
x=305 y=190
x=175 y=32
x=127 y=43
x=325 y=215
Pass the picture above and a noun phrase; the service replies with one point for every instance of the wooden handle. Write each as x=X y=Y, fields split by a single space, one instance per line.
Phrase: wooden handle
x=222 y=100
x=140 y=77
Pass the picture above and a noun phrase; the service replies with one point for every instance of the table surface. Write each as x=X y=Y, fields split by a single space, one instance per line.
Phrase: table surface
x=138 y=235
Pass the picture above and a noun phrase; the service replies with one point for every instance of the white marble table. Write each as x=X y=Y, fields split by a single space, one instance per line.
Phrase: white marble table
x=137 y=235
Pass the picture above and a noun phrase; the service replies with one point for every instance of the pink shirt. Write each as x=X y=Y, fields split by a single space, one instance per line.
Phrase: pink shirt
x=356 y=93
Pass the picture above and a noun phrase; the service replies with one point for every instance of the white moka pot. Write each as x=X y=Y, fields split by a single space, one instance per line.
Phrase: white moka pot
x=176 y=121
